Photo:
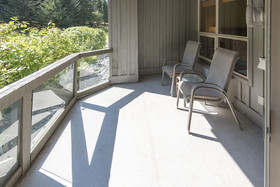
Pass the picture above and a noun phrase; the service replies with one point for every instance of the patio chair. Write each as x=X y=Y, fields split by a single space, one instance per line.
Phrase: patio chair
x=174 y=66
x=214 y=88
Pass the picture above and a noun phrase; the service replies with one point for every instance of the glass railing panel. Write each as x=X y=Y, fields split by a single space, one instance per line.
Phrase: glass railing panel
x=93 y=71
x=9 y=140
x=48 y=101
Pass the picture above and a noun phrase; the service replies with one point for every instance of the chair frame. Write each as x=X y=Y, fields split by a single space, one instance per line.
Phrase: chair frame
x=176 y=65
x=193 y=97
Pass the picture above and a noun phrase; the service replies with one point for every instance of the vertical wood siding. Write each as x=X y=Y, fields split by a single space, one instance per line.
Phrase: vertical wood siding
x=248 y=91
x=124 y=40
x=165 y=26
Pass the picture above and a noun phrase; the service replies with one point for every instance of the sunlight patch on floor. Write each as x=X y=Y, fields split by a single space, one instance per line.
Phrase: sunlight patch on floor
x=56 y=178
x=58 y=164
x=109 y=96
x=91 y=130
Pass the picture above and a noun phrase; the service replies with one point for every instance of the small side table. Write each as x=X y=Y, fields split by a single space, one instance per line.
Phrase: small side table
x=188 y=78
x=192 y=78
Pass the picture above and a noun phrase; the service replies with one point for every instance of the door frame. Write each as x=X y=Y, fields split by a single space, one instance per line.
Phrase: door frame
x=267 y=92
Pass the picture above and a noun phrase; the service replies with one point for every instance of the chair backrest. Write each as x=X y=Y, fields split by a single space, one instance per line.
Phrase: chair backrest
x=221 y=67
x=191 y=53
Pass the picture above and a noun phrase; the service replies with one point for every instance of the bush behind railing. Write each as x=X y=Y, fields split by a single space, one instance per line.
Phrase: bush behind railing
x=24 y=49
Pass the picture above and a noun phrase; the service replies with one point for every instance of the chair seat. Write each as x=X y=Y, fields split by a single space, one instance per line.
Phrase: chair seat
x=201 y=94
x=168 y=69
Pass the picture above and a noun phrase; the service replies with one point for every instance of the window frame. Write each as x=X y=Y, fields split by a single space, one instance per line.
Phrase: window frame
x=217 y=35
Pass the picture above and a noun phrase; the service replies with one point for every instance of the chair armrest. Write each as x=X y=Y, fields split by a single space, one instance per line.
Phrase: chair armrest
x=171 y=59
x=191 y=72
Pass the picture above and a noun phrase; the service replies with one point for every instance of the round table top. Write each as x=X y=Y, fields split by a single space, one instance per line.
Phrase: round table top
x=192 y=78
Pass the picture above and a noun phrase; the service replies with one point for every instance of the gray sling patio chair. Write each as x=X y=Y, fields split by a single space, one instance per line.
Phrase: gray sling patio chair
x=214 y=89
x=174 y=66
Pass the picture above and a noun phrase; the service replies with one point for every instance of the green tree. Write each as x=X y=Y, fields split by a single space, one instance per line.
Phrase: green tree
x=102 y=7
x=22 y=9
x=63 y=13
x=105 y=11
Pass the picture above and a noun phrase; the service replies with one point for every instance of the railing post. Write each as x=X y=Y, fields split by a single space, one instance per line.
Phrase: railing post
x=75 y=81
x=25 y=131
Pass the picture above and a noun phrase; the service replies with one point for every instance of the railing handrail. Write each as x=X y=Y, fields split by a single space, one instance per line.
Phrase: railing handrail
x=9 y=94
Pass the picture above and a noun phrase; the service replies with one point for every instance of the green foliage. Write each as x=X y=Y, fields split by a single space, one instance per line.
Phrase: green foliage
x=26 y=49
x=86 y=38
x=64 y=13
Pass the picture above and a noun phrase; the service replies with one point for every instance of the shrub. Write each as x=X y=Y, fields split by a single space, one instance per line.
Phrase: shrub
x=24 y=49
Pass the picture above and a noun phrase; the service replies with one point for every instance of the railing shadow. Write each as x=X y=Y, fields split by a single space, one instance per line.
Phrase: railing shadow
x=98 y=172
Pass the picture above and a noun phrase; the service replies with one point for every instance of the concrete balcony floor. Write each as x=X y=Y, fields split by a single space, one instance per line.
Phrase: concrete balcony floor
x=133 y=135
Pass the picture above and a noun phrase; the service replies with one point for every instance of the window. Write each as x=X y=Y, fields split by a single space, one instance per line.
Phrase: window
x=241 y=48
x=232 y=17
x=207 y=46
x=230 y=32
x=208 y=16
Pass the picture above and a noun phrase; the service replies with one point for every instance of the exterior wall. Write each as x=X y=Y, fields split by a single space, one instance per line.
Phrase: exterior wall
x=248 y=91
x=124 y=40
x=165 y=26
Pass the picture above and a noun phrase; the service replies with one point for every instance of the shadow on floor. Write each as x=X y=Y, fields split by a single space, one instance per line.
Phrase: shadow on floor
x=95 y=171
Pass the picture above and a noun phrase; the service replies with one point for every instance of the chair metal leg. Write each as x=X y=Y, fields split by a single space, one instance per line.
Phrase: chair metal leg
x=177 y=89
x=233 y=112
x=172 y=85
x=190 y=113
x=185 y=101
x=162 y=78
x=178 y=97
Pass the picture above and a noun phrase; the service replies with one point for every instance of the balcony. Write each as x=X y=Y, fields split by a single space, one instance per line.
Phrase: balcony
x=133 y=135
x=67 y=126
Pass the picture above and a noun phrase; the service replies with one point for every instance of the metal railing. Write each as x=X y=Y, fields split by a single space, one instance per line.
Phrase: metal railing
x=50 y=92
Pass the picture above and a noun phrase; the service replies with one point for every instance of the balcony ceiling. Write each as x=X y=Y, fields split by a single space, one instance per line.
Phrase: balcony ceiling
x=133 y=135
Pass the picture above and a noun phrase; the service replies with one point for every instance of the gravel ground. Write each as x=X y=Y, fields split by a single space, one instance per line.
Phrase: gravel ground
x=94 y=73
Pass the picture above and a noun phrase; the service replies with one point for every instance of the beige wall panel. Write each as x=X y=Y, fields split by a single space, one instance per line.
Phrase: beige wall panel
x=164 y=31
x=258 y=74
x=162 y=34
x=193 y=20
x=134 y=38
x=182 y=25
x=114 y=35
x=156 y=34
x=245 y=93
x=124 y=30
x=238 y=88
x=176 y=28
x=188 y=19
